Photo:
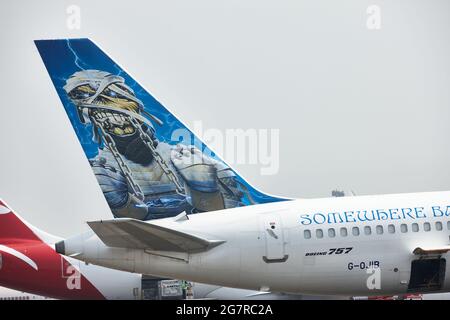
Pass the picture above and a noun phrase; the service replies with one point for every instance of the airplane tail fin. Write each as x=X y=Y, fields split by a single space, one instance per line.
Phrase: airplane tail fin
x=14 y=229
x=147 y=162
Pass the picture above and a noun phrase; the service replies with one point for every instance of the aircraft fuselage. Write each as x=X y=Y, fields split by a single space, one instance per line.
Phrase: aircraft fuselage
x=365 y=245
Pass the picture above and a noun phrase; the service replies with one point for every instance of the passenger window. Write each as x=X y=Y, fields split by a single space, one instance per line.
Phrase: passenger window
x=331 y=233
x=391 y=228
x=438 y=226
x=448 y=225
x=319 y=233
x=380 y=230
x=403 y=228
x=367 y=231
x=415 y=227
x=343 y=232
x=307 y=234
x=355 y=231
x=426 y=226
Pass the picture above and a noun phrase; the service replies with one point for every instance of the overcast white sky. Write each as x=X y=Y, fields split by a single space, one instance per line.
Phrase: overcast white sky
x=359 y=109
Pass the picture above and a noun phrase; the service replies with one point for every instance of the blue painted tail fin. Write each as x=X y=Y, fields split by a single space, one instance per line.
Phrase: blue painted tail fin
x=148 y=163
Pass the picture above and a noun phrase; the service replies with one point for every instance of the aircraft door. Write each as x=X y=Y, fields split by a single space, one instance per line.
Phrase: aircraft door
x=275 y=245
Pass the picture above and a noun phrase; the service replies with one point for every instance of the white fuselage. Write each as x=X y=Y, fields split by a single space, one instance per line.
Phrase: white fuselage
x=319 y=246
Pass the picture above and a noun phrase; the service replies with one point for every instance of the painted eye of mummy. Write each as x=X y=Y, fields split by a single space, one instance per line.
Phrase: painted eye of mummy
x=128 y=130
x=118 y=131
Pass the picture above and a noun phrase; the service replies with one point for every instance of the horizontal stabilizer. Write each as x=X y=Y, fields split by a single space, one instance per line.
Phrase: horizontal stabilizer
x=136 y=234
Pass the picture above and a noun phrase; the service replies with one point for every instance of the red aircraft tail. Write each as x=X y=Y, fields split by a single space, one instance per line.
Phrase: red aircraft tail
x=13 y=229
x=28 y=261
